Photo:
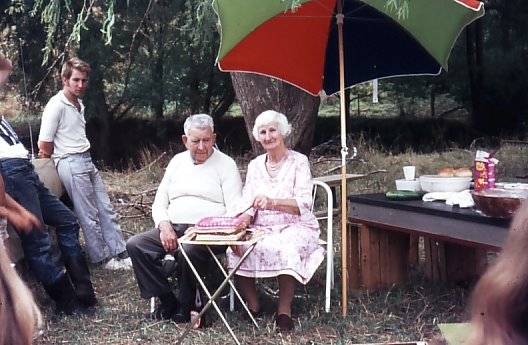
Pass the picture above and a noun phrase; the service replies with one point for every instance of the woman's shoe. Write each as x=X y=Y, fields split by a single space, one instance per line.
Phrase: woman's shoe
x=255 y=314
x=284 y=323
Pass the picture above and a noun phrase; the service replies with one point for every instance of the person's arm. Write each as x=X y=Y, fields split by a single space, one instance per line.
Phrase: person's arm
x=17 y=215
x=5 y=68
x=263 y=202
x=232 y=187
x=160 y=206
x=48 y=128
x=160 y=215
x=168 y=237
x=45 y=149
x=303 y=184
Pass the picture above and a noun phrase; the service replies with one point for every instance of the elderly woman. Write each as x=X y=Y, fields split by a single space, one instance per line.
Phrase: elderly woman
x=278 y=186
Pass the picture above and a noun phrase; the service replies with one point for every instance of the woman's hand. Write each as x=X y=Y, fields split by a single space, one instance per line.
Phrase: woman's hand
x=238 y=250
x=246 y=218
x=262 y=202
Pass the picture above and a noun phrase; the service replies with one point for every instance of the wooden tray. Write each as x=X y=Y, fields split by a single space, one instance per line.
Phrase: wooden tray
x=249 y=236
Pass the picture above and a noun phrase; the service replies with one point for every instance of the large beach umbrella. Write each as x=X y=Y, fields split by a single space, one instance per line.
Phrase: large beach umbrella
x=329 y=45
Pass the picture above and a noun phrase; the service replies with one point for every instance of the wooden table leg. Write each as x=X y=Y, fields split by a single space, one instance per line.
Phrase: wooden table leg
x=354 y=272
x=384 y=256
x=454 y=263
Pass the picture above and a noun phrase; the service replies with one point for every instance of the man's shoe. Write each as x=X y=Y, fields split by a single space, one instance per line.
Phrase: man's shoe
x=163 y=312
x=181 y=315
x=256 y=314
x=119 y=264
x=126 y=264
x=123 y=255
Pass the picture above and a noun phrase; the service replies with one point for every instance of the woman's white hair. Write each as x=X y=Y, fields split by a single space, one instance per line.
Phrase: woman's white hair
x=271 y=116
x=200 y=121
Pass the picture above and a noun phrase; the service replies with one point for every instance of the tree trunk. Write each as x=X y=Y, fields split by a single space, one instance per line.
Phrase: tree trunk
x=256 y=93
x=158 y=92
x=475 y=71
x=432 y=100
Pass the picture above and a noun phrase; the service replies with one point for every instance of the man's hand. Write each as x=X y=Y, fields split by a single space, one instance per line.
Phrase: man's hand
x=45 y=149
x=168 y=237
x=21 y=219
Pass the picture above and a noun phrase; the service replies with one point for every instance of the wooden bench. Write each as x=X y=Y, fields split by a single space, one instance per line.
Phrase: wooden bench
x=382 y=240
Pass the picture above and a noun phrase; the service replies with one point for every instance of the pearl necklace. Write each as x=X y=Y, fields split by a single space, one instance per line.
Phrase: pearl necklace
x=272 y=167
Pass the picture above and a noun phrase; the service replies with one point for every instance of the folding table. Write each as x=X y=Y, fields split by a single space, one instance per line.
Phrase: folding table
x=250 y=239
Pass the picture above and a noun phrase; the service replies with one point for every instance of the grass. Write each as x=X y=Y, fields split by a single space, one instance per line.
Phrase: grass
x=396 y=314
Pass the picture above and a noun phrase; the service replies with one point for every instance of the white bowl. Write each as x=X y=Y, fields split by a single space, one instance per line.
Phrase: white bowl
x=435 y=183
x=412 y=185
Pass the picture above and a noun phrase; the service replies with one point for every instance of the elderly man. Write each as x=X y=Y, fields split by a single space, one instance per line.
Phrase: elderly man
x=63 y=138
x=23 y=184
x=199 y=182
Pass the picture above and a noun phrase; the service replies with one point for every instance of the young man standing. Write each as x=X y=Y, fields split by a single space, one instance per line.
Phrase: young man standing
x=63 y=138
x=72 y=290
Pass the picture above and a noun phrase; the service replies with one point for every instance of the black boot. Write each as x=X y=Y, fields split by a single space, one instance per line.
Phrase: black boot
x=61 y=291
x=80 y=275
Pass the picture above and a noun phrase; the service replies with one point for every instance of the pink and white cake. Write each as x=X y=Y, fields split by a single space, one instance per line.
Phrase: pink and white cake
x=220 y=223
x=219 y=228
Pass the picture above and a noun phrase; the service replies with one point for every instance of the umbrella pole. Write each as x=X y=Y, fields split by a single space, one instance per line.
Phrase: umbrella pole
x=344 y=152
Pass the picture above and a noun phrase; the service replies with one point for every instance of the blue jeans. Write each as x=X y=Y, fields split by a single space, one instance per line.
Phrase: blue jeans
x=84 y=185
x=22 y=183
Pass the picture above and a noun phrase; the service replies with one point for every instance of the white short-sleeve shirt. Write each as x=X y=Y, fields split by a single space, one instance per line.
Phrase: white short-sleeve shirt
x=65 y=126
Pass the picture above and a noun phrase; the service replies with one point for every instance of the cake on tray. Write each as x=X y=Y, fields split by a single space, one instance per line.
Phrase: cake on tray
x=219 y=229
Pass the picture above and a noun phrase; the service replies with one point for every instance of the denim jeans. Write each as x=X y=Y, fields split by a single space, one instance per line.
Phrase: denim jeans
x=83 y=183
x=22 y=183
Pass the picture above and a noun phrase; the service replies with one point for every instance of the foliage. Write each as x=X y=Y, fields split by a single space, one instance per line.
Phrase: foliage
x=161 y=60
x=49 y=12
x=506 y=75
x=401 y=7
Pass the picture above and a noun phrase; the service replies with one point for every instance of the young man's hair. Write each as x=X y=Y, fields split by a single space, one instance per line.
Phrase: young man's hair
x=74 y=63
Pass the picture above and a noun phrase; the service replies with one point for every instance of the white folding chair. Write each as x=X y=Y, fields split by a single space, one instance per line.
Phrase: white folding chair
x=328 y=243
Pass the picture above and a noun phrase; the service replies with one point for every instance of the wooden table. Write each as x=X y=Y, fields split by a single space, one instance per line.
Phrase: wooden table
x=455 y=239
x=334 y=182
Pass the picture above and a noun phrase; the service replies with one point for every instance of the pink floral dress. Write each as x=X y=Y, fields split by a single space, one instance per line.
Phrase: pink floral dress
x=291 y=242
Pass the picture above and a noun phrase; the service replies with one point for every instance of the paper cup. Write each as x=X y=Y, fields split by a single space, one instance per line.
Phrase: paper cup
x=408 y=172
